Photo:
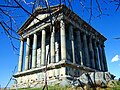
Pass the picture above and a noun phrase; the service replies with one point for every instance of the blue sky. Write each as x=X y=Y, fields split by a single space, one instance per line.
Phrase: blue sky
x=109 y=26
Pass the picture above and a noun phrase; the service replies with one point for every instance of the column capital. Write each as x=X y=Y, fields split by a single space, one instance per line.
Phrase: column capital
x=103 y=46
x=100 y=42
x=91 y=35
x=44 y=28
x=53 y=21
x=28 y=36
x=95 y=40
x=70 y=24
x=62 y=18
x=90 y=38
x=21 y=38
x=35 y=33
x=85 y=32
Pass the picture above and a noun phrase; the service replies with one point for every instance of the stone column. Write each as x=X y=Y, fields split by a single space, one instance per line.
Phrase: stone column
x=86 y=50
x=104 y=58
x=91 y=52
x=20 y=63
x=57 y=44
x=43 y=47
x=79 y=46
x=101 y=57
x=34 y=56
x=27 y=54
x=63 y=40
x=57 y=52
x=52 y=45
x=72 y=42
x=96 y=55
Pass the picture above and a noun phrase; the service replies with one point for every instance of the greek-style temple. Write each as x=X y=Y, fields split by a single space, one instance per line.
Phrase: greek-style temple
x=61 y=41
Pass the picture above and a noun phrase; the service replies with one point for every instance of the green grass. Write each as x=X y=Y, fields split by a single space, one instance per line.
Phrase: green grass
x=57 y=87
x=70 y=88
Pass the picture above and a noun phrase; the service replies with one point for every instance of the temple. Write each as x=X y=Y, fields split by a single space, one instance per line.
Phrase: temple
x=59 y=40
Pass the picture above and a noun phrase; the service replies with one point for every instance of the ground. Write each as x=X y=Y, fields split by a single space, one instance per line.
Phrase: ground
x=56 y=87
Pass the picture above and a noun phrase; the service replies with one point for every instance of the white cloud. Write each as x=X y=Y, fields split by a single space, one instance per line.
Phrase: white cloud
x=115 y=58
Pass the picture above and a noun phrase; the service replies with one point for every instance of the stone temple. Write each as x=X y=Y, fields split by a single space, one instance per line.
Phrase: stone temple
x=64 y=41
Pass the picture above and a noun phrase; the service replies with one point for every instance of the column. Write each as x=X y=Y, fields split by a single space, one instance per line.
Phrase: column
x=63 y=41
x=79 y=46
x=43 y=47
x=57 y=46
x=104 y=58
x=72 y=42
x=27 y=54
x=34 y=56
x=96 y=55
x=101 y=57
x=91 y=52
x=86 y=50
x=56 y=52
x=52 y=45
x=20 y=63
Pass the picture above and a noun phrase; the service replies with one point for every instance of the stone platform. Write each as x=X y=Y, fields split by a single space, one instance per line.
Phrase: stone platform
x=62 y=73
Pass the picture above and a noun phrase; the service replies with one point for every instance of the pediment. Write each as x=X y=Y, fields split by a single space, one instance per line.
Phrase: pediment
x=37 y=19
x=37 y=16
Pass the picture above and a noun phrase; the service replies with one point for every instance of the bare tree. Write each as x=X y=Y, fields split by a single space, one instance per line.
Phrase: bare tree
x=11 y=19
x=9 y=11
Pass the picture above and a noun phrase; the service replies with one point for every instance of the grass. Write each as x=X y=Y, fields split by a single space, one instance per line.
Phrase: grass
x=70 y=88
x=57 y=87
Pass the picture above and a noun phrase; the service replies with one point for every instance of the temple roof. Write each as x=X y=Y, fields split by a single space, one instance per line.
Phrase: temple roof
x=39 y=11
x=40 y=15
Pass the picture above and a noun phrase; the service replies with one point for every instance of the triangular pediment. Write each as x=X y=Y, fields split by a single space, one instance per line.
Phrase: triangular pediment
x=38 y=16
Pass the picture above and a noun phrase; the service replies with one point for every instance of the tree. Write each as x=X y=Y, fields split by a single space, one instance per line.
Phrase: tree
x=10 y=16
x=11 y=19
